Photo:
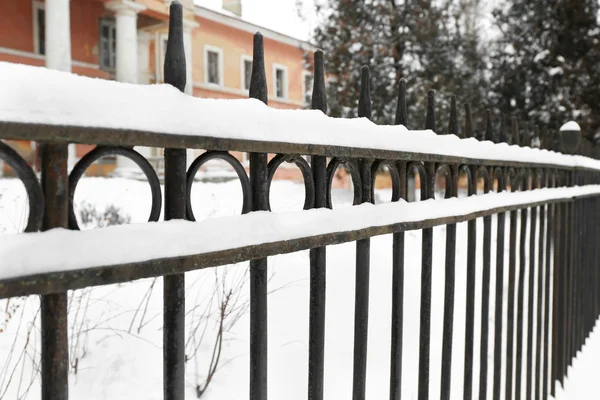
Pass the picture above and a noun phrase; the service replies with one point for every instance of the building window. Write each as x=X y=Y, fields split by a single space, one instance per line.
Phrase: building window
x=39 y=28
x=246 y=72
x=307 y=87
x=108 y=44
x=281 y=81
x=213 y=66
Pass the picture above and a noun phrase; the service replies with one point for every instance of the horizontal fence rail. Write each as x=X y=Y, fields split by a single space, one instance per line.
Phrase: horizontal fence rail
x=540 y=204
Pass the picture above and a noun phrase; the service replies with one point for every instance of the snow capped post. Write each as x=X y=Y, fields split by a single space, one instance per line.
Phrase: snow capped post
x=316 y=329
x=469 y=133
x=503 y=136
x=175 y=208
x=430 y=121
x=489 y=131
x=401 y=113
x=570 y=137
x=453 y=120
x=258 y=268
x=514 y=131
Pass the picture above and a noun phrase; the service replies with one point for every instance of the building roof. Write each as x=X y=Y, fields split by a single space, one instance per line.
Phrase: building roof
x=281 y=18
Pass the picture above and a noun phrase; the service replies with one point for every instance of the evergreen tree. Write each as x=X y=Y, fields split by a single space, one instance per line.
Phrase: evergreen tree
x=546 y=65
x=432 y=44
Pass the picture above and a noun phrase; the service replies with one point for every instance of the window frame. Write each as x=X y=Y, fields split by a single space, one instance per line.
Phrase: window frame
x=285 y=94
x=307 y=91
x=112 y=23
x=35 y=7
x=219 y=51
x=161 y=40
x=243 y=72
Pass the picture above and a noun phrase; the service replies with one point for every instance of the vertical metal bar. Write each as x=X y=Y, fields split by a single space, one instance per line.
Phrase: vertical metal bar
x=540 y=293
x=566 y=284
x=55 y=356
x=485 y=282
x=548 y=276
x=426 y=268
x=470 y=309
x=498 y=329
x=258 y=268
x=175 y=206
x=557 y=290
x=363 y=254
x=512 y=240
x=397 y=300
x=426 y=259
x=449 y=272
x=530 y=292
x=316 y=329
x=520 y=292
x=398 y=269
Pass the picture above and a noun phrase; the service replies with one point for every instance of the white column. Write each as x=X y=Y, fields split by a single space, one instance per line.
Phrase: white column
x=127 y=38
x=58 y=35
x=58 y=46
x=127 y=62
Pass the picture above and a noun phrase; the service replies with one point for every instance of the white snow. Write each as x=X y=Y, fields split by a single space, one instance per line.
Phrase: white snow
x=555 y=71
x=141 y=242
x=570 y=126
x=37 y=95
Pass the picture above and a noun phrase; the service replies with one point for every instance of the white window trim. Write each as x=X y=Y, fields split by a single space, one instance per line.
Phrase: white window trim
x=242 y=71
x=219 y=51
x=160 y=62
x=36 y=5
x=285 y=81
x=304 y=88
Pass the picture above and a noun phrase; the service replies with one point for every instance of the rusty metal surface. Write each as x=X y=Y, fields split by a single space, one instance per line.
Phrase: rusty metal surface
x=195 y=140
x=55 y=357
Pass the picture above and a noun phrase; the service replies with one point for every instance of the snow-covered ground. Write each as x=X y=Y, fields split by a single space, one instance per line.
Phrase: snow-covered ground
x=116 y=331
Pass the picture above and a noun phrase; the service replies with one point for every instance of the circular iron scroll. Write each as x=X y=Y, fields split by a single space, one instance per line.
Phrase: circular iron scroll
x=229 y=159
x=446 y=171
x=354 y=172
x=309 y=184
x=102 y=151
x=31 y=183
x=394 y=175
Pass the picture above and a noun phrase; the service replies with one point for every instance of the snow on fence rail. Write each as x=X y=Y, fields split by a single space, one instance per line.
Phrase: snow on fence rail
x=551 y=199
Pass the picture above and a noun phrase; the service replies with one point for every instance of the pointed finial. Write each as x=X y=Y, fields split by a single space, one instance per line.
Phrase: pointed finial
x=503 y=136
x=453 y=121
x=319 y=94
x=364 y=100
x=401 y=112
x=468 y=122
x=174 y=67
x=258 y=80
x=514 y=131
x=489 y=131
x=430 y=121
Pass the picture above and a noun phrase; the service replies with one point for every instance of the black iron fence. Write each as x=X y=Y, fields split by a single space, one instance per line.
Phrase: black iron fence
x=551 y=245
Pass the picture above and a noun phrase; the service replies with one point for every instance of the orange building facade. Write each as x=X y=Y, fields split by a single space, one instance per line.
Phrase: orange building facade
x=125 y=40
